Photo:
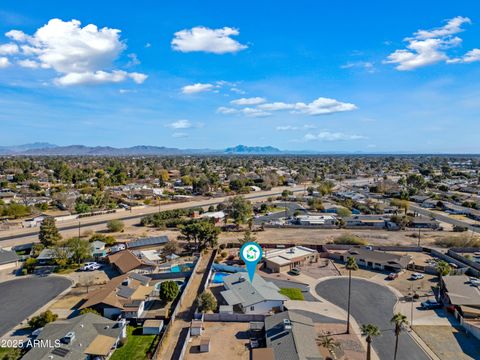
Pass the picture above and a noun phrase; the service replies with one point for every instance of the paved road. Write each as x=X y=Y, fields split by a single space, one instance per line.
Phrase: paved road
x=444 y=218
x=291 y=207
x=92 y=223
x=372 y=304
x=21 y=298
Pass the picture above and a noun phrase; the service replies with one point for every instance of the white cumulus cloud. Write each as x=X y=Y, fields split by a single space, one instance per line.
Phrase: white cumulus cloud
x=428 y=47
x=181 y=124
x=197 y=88
x=320 y=106
x=217 y=41
x=9 y=49
x=249 y=101
x=80 y=55
x=4 y=62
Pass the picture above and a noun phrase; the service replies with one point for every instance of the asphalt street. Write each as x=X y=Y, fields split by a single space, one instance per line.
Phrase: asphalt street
x=372 y=304
x=441 y=217
x=23 y=297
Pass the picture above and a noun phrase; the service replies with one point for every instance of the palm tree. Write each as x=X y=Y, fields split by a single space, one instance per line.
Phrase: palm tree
x=350 y=266
x=330 y=344
x=369 y=331
x=400 y=322
x=443 y=269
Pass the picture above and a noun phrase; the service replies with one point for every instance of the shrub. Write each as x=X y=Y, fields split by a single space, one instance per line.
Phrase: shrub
x=107 y=239
x=42 y=319
x=115 y=226
x=223 y=254
x=88 y=310
x=29 y=265
x=206 y=302
x=349 y=239
x=458 y=241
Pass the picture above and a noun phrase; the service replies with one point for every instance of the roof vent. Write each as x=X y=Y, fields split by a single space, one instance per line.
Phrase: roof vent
x=287 y=324
x=67 y=339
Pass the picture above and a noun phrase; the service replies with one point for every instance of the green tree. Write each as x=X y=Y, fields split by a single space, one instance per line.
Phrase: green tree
x=42 y=319
x=30 y=264
x=201 y=233
x=316 y=204
x=89 y=310
x=115 y=225
x=168 y=290
x=62 y=255
x=400 y=322
x=369 y=331
x=206 y=302
x=107 y=239
x=350 y=266
x=241 y=209
x=343 y=212
x=49 y=234
x=80 y=249
x=443 y=269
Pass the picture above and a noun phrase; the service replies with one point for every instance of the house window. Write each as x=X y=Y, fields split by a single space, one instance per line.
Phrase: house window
x=252 y=308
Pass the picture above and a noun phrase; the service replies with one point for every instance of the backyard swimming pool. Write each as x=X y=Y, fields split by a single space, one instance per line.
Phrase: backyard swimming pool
x=218 y=277
x=182 y=267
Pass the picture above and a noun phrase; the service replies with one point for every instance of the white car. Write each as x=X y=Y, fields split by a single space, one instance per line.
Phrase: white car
x=91 y=266
x=475 y=281
x=417 y=276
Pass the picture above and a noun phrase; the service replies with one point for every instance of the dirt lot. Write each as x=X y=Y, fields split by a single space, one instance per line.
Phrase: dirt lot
x=227 y=341
x=449 y=343
x=422 y=287
x=323 y=236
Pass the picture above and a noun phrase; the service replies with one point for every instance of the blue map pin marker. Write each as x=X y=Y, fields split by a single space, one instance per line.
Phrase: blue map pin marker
x=251 y=254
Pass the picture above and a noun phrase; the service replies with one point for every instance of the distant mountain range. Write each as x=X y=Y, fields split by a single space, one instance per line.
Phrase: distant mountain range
x=47 y=149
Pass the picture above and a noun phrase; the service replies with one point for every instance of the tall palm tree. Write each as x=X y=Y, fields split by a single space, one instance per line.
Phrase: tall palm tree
x=350 y=266
x=369 y=331
x=400 y=322
x=330 y=344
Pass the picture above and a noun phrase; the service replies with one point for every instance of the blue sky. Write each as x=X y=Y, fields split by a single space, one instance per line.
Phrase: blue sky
x=323 y=75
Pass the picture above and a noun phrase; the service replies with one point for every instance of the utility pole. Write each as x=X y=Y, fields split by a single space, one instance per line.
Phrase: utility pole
x=419 y=234
x=79 y=229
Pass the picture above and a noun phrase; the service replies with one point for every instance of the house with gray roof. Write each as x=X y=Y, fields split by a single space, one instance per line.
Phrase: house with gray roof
x=256 y=297
x=87 y=336
x=374 y=259
x=8 y=259
x=291 y=336
x=148 y=242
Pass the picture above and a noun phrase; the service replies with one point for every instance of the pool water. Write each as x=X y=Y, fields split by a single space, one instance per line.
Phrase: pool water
x=218 y=277
x=182 y=268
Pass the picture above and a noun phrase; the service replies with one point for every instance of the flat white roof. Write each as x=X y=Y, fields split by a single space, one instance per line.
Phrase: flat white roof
x=284 y=256
x=151 y=255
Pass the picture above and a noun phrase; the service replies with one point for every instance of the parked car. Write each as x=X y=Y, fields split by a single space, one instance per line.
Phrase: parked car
x=475 y=281
x=392 y=276
x=90 y=266
x=417 y=276
x=294 y=271
x=430 y=304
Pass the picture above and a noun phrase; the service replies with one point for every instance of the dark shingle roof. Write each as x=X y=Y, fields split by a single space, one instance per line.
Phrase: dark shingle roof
x=148 y=241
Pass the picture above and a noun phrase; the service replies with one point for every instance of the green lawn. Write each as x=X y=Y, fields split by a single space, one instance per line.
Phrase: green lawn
x=10 y=353
x=292 y=293
x=136 y=347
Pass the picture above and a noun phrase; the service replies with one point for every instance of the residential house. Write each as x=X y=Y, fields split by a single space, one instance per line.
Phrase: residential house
x=124 y=295
x=279 y=260
x=463 y=296
x=87 y=336
x=366 y=221
x=291 y=336
x=8 y=259
x=147 y=242
x=256 y=297
x=422 y=222
x=429 y=204
x=218 y=216
x=98 y=249
x=373 y=259
x=48 y=256
x=316 y=220
x=125 y=261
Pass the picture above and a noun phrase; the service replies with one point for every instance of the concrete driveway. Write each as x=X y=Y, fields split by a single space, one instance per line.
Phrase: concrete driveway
x=23 y=297
x=372 y=304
